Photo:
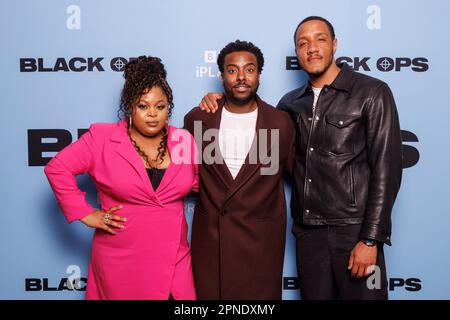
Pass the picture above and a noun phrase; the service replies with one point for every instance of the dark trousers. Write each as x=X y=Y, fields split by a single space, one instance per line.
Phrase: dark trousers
x=323 y=253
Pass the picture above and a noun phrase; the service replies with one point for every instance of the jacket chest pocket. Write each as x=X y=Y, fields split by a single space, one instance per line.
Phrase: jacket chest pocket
x=339 y=134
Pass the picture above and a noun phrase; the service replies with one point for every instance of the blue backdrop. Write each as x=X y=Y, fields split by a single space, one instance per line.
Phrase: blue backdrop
x=61 y=63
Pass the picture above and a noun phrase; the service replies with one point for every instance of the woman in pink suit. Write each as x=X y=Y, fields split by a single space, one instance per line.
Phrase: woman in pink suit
x=142 y=168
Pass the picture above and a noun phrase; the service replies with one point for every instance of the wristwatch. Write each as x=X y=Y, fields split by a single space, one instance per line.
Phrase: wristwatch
x=369 y=242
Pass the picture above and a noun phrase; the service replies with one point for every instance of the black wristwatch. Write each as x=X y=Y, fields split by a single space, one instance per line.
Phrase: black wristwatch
x=369 y=242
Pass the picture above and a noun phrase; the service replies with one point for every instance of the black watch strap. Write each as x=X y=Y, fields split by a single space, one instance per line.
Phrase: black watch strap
x=369 y=242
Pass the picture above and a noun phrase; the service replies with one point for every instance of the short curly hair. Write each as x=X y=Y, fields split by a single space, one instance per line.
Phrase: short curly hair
x=239 y=45
x=141 y=75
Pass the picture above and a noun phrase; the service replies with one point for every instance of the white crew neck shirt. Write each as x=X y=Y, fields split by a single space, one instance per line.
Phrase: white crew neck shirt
x=236 y=134
x=316 y=92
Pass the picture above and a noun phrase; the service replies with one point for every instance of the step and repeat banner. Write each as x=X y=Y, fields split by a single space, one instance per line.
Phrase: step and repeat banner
x=62 y=64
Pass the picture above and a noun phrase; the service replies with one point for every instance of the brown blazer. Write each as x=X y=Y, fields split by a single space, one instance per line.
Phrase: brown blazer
x=239 y=226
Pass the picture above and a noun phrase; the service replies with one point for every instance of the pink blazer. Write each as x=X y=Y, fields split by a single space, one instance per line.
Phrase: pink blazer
x=150 y=257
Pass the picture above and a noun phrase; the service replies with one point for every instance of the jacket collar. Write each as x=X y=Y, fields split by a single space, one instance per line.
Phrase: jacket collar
x=344 y=78
x=125 y=149
x=263 y=121
x=212 y=120
x=120 y=133
x=342 y=82
x=247 y=170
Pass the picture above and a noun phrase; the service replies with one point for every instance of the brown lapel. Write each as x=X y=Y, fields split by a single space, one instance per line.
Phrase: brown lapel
x=212 y=121
x=248 y=170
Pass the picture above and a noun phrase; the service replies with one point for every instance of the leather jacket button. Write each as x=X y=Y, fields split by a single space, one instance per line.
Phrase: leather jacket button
x=309 y=180
x=309 y=119
x=317 y=118
x=311 y=149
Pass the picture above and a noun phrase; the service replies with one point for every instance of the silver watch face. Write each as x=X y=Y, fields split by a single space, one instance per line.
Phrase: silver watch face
x=369 y=243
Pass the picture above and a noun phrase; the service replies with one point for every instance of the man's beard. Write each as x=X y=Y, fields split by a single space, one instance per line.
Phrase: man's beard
x=241 y=101
x=319 y=73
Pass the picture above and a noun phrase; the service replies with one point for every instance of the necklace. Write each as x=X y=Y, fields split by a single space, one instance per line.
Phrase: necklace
x=146 y=158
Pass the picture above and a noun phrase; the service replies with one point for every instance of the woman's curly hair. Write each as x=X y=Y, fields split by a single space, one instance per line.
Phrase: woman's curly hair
x=141 y=75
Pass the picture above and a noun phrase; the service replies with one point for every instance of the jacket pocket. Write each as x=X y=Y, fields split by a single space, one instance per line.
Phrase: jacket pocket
x=339 y=134
x=341 y=121
x=352 y=187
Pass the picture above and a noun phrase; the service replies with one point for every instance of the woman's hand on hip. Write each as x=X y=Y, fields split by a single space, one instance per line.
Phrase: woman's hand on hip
x=105 y=220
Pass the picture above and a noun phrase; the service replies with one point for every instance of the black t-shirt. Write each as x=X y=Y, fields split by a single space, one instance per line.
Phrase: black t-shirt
x=155 y=176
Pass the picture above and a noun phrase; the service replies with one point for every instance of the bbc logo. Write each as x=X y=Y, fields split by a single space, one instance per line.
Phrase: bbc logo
x=210 y=56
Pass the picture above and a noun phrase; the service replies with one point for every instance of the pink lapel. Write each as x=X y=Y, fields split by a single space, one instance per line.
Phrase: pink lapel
x=126 y=150
x=173 y=168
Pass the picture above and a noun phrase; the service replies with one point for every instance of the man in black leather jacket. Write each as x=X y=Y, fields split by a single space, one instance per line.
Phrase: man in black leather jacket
x=348 y=168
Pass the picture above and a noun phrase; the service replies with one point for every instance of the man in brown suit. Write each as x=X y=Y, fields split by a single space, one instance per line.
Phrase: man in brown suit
x=238 y=234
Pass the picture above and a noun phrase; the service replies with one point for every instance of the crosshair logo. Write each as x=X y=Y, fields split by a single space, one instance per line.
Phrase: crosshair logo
x=118 y=64
x=385 y=64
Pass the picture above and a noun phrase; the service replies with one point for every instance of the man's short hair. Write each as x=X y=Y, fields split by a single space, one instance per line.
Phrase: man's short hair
x=310 y=18
x=239 y=45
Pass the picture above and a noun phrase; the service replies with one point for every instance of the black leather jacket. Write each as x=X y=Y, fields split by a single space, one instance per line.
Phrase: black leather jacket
x=348 y=159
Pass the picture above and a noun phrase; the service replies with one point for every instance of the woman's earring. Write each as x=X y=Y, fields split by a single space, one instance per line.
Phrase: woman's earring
x=130 y=123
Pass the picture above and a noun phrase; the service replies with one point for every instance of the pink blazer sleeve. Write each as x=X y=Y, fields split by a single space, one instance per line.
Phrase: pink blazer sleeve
x=75 y=159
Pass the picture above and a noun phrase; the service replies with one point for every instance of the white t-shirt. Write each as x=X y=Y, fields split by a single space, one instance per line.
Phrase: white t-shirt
x=316 y=92
x=236 y=134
